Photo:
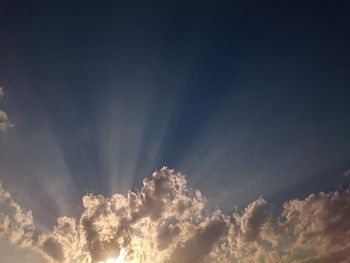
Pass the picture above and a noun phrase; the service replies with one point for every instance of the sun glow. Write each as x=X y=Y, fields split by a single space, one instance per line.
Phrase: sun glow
x=119 y=259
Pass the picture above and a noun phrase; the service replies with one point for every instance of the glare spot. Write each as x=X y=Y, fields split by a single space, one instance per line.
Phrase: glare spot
x=119 y=259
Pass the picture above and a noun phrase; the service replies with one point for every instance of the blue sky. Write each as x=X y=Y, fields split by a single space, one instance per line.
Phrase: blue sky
x=246 y=98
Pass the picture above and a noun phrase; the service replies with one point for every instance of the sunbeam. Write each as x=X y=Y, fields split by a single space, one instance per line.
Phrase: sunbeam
x=248 y=102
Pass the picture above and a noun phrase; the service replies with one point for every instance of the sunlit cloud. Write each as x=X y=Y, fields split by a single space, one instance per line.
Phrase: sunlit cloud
x=119 y=259
x=167 y=221
x=16 y=224
x=93 y=102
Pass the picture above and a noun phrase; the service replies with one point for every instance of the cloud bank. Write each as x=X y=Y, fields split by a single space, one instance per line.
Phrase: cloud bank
x=168 y=222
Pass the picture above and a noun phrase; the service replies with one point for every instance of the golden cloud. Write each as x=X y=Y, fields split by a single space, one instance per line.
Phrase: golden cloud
x=168 y=222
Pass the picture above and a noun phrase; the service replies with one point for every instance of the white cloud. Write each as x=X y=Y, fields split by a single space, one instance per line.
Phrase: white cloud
x=168 y=222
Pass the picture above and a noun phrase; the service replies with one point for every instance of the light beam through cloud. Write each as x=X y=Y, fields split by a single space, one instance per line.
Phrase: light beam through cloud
x=166 y=221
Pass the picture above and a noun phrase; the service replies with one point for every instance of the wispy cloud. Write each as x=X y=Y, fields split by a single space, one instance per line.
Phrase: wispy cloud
x=5 y=123
x=347 y=173
x=167 y=221
x=2 y=93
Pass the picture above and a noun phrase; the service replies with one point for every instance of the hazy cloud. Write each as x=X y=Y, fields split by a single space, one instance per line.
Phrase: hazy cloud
x=347 y=173
x=4 y=119
x=166 y=221
x=2 y=93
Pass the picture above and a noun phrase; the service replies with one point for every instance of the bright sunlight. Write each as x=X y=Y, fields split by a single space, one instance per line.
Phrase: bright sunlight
x=119 y=259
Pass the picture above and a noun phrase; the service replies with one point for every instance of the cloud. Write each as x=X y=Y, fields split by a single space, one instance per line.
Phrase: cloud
x=16 y=224
x=166 y=222
x=4 y=119
x=347 y=173
x=2 y=93
x=315 y=229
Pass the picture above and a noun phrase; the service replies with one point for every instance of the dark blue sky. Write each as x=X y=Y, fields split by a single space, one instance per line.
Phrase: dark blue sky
x=247 y=98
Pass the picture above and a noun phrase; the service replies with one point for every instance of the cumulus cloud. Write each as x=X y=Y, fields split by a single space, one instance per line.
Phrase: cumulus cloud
x=167 y=222
x=16 y=224
x=5 y=123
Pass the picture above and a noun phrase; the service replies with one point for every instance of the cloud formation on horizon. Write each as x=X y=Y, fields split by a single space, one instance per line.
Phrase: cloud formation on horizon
x=167 y=222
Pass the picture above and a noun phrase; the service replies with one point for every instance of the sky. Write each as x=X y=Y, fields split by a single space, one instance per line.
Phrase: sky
x=248 y=99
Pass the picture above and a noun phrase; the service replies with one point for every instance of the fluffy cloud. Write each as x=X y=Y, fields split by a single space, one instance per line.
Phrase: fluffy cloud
x=16 y=224
x=4 y=119
x=168 y=222
x=316 y=229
